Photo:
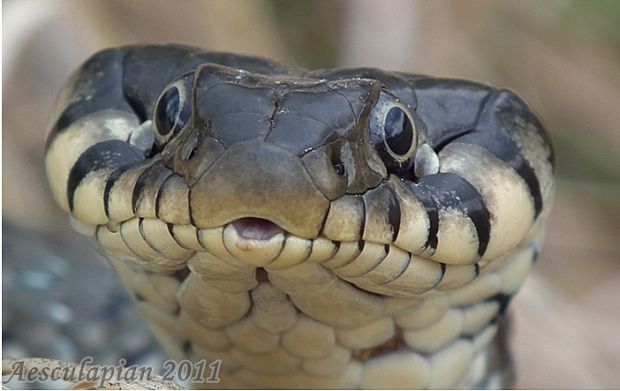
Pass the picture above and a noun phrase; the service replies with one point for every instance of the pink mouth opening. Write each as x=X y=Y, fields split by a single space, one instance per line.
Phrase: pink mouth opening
x=256 y=229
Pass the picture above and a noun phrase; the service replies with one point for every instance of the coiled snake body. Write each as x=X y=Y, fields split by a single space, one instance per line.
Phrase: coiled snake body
x=348 y=228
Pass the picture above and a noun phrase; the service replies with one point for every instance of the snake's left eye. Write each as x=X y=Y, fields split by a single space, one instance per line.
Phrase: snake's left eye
x=393 y=133
x=173 y=110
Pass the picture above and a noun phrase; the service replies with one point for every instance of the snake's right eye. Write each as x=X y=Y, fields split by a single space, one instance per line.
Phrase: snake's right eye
x=393 y=133
x=173 y=110
x=167 y=113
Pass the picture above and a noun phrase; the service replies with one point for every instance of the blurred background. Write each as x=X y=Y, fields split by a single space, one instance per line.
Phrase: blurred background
x=59 y=300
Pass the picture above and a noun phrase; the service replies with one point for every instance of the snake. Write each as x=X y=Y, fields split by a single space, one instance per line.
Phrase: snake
x=333 y=228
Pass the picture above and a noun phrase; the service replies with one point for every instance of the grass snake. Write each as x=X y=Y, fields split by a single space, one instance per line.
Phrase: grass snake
x=345 y=228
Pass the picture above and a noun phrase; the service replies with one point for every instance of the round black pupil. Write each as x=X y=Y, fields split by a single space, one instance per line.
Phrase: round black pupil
x=167 y=111
x=398 y=131
x=340 y=169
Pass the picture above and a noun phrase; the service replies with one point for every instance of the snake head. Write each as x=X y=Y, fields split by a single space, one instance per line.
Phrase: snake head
x=449 y=170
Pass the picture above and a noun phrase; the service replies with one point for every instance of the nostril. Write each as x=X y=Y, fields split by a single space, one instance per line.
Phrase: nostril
x=256 y=229
x=340 y=169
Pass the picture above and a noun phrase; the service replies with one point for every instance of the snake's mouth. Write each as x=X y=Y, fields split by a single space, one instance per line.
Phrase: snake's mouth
x=257 y=241
x=253 y=228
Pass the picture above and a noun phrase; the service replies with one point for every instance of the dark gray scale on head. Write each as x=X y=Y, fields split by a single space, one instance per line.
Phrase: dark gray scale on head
x=448 y=108
x=358 y=92
x=251 y=64
x=106 y=155
x=395 y=83
x=453 y=192
x=231 y=107
x=308 y=117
